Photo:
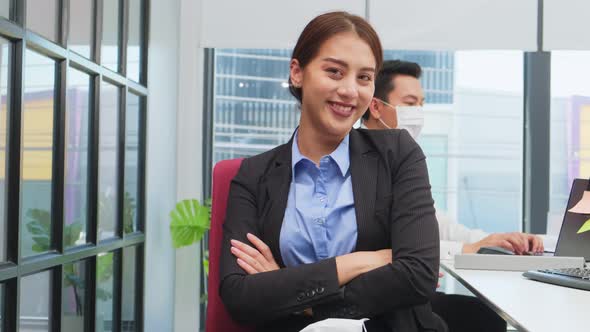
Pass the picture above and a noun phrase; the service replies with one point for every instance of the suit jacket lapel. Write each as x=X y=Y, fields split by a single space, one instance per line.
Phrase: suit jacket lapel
x=363 y=168
x=277 y=184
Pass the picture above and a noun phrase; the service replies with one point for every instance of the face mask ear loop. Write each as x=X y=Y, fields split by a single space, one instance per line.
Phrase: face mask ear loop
x=383 y=123
x=387 y=104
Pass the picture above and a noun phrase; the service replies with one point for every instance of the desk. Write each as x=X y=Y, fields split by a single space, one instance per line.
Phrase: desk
x=526 y=304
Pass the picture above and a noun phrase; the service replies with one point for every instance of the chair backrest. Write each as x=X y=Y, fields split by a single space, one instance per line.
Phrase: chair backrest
x=218 y=319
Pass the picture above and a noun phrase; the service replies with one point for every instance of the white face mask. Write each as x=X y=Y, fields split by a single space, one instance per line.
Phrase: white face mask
x=410 y=118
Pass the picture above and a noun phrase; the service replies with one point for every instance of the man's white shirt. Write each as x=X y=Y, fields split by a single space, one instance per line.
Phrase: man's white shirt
x=453 y=235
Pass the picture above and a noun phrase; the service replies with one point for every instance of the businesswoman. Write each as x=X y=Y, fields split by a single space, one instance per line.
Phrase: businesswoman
x=338 y=222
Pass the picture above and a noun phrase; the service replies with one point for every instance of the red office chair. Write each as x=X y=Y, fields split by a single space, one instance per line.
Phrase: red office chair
x=218 y=319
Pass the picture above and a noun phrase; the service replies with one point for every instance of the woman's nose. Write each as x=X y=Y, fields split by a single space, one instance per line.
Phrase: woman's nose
x=348 y=90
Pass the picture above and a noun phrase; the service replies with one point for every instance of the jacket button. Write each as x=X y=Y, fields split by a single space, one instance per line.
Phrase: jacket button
x=320 y=290
x=310 y=293
x=300 y=297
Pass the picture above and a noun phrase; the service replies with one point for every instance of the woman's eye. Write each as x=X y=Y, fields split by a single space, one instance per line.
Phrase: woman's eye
x=334 y=72
x=365 y=77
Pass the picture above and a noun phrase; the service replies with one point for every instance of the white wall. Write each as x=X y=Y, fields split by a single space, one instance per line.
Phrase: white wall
x=161 y=164
x=189 y=159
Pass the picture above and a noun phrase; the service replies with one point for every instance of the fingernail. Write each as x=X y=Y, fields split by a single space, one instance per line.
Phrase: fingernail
x=233 y=242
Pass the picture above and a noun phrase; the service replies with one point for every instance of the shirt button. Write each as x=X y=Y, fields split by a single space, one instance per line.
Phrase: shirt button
x=320 y=220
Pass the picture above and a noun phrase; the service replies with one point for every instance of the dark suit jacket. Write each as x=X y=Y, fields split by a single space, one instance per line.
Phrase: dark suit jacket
x=394 y=209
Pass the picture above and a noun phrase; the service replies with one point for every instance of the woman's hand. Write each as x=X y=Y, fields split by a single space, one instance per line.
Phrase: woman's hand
x=254 y=260
x=352 y=265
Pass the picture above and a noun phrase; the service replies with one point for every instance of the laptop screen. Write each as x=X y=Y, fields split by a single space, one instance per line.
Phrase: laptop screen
x=570 y=243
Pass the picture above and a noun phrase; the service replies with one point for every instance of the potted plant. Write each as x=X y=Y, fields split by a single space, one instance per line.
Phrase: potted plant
x=190 y=221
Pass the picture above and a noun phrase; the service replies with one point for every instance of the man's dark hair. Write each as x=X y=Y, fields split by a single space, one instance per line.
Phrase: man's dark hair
x=389 y=70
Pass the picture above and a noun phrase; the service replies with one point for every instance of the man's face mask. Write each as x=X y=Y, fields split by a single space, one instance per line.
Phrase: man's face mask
x=410 y=118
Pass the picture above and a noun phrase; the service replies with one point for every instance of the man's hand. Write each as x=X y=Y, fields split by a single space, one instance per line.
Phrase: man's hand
x=254 y=260
x=519 y=243
x=440 y=275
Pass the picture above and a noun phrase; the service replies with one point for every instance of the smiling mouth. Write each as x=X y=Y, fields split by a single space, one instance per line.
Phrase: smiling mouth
x=340 y=109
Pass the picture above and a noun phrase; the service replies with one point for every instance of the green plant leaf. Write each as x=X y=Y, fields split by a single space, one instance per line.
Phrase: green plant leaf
x=102 y=294
x=189 y=222
x=104 y=267
x=585 y=227
x=72 y=233
x=43 y=241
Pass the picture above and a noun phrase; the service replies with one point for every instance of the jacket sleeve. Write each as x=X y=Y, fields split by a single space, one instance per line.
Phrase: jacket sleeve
x=263 y=297
x=412 y=277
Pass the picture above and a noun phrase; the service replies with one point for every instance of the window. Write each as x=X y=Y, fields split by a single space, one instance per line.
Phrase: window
x=476 y=174
x=105 y=306
x=65 y=150
x=110 y=34
x=5 y=51
x=570 y=129
x=37 y=153
x=130 y=200
x=80 y=36
x=76 y=156
x=43 y=18
x=1 y=307
x=108 y=160
x=135 y=42
x=35 y=297
x=74 y=295
x=5 y=10
x=130 y=264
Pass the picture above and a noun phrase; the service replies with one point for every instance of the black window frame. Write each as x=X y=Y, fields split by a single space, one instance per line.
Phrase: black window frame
x=15 y=267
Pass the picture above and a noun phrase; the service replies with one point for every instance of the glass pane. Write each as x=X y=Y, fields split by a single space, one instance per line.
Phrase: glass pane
x=81 y=24
x=110 y=35
x=107 y=170
x=76 y=157
x=104 y=292
x=74 y=296
x=129 y=283
x=42 y=17
x=1 y=307
x=131 y=162
x=37 y=144
x=4 y=12
x=34 y=302
x=570 y=129
x=476 y=177
x=134 y=45
x=5 y=49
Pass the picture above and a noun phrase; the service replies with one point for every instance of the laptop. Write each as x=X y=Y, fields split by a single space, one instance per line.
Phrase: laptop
x=570 y=243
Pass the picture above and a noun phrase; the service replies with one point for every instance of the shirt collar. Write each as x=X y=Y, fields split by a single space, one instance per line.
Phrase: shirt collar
x=341 y=155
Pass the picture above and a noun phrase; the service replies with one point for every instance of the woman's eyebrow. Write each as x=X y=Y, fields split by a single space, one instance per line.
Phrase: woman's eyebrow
x=345 y=65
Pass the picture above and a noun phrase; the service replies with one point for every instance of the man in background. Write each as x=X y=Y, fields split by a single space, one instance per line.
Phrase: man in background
x=397 y=103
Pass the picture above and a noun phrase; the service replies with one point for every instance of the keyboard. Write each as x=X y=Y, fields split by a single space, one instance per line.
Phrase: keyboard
x=575 y=277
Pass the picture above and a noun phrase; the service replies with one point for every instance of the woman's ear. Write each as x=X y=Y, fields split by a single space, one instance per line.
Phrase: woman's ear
x=375 y=108
x=295 y=73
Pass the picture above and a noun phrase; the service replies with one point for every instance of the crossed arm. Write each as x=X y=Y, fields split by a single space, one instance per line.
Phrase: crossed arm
x=258 y=258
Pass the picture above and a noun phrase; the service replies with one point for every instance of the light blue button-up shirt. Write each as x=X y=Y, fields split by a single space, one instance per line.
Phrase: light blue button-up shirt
x=320 y=220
